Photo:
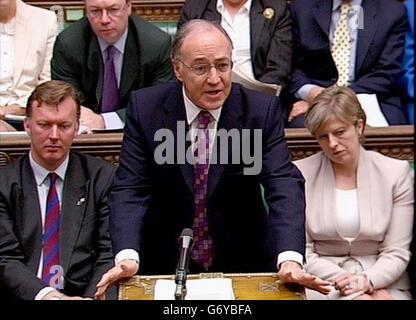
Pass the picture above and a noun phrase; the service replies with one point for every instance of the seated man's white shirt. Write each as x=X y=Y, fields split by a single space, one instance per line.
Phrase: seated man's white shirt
x=238 y=29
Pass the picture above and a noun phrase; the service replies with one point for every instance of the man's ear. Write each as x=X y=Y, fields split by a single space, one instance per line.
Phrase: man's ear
x=176 y=68
x=129 y=6
x=26 y=125
x=360 y=127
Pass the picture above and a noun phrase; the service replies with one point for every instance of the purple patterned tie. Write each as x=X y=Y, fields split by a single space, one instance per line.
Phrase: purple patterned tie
x=203 y=250
x=50 y=239
x=110 y=90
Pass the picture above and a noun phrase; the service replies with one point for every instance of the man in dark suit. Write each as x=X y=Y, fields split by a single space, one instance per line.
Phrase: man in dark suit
x=376 y=29
x=54 y=241
x=266 y=36
x=157 y=192
x=141 y=59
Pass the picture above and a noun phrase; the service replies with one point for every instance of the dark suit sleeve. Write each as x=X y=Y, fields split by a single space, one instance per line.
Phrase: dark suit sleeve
x=15 y=277
x=298 y=77
x=386 y=69
x=284 y=186
x=162 y=70
x=104 y=260
x=62 y=68
x=186 y=14
x=279 y=56
x=130 y=192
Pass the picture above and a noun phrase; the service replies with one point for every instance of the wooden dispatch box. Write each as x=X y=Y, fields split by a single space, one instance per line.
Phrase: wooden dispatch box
x=246 y=286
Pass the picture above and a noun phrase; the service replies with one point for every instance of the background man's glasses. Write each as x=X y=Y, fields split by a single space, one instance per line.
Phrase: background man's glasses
x=203 y=69
x=97 y=13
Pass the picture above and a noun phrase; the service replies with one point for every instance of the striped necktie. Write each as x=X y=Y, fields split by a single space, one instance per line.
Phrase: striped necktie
x=50 y=239
x=341 y=46
x=203 y=250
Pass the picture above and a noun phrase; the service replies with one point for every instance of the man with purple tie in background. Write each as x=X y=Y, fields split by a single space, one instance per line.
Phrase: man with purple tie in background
x=108 y=54
x=54 y=240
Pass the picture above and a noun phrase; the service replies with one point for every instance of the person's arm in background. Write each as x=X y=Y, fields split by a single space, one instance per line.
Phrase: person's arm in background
x=384 y=73
x=161 y=69
x=301 y=86
x=407 y=80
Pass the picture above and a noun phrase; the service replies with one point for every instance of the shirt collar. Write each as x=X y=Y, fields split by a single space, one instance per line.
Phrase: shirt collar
x=337 y=3
x=41 y=173
x=192 y=110
x=119 y=44
x=221 y=6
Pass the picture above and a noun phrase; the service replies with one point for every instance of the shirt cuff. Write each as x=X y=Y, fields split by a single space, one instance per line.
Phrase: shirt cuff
x=112 y=120
x=42 y=293
x=289 y=256
x=303 y=91
x=127 y=254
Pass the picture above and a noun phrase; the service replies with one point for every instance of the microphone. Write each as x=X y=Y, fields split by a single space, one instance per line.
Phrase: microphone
x=185 y=246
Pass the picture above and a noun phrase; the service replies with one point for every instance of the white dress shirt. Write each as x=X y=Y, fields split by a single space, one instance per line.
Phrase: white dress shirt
x=238 y=29
x=347 y=215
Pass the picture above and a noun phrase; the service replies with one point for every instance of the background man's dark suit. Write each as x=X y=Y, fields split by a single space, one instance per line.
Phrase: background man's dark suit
x=270 y=39
x=378 y=56
x=155 y=202
x=77 y=59
x=85 y=251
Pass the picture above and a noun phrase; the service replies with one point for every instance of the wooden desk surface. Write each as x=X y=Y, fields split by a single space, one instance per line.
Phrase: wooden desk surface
x=246 y=286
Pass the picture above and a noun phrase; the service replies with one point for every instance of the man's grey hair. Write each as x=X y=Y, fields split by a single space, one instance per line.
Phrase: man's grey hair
x=195 y=25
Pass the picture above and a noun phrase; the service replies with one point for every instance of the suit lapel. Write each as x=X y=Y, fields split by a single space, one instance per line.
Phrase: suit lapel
x=28 y=215
x=211 y=12
x=131 y=59
x=229 y=119
x=364 y=194
x=327 y=182
x=22 y=39
x=257 y=22
x=176 y=116
x=95 y=65
x=366 y=32
x=323 y=13
x=73 y=208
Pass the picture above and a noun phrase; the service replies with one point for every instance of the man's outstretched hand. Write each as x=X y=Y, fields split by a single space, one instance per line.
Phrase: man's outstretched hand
x=123 y=269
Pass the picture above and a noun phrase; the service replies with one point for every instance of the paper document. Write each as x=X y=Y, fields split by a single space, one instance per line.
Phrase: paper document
x=198 y=289
x=369 y=103
x=241 y=78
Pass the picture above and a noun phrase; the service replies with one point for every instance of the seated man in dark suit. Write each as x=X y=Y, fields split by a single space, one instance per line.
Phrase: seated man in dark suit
x=358 y=43
x=260 y=31
x=107 y=55
x=54 y=239
x=197 y=186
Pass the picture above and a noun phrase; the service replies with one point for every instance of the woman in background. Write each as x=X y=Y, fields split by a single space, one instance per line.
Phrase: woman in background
x=359 y=212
